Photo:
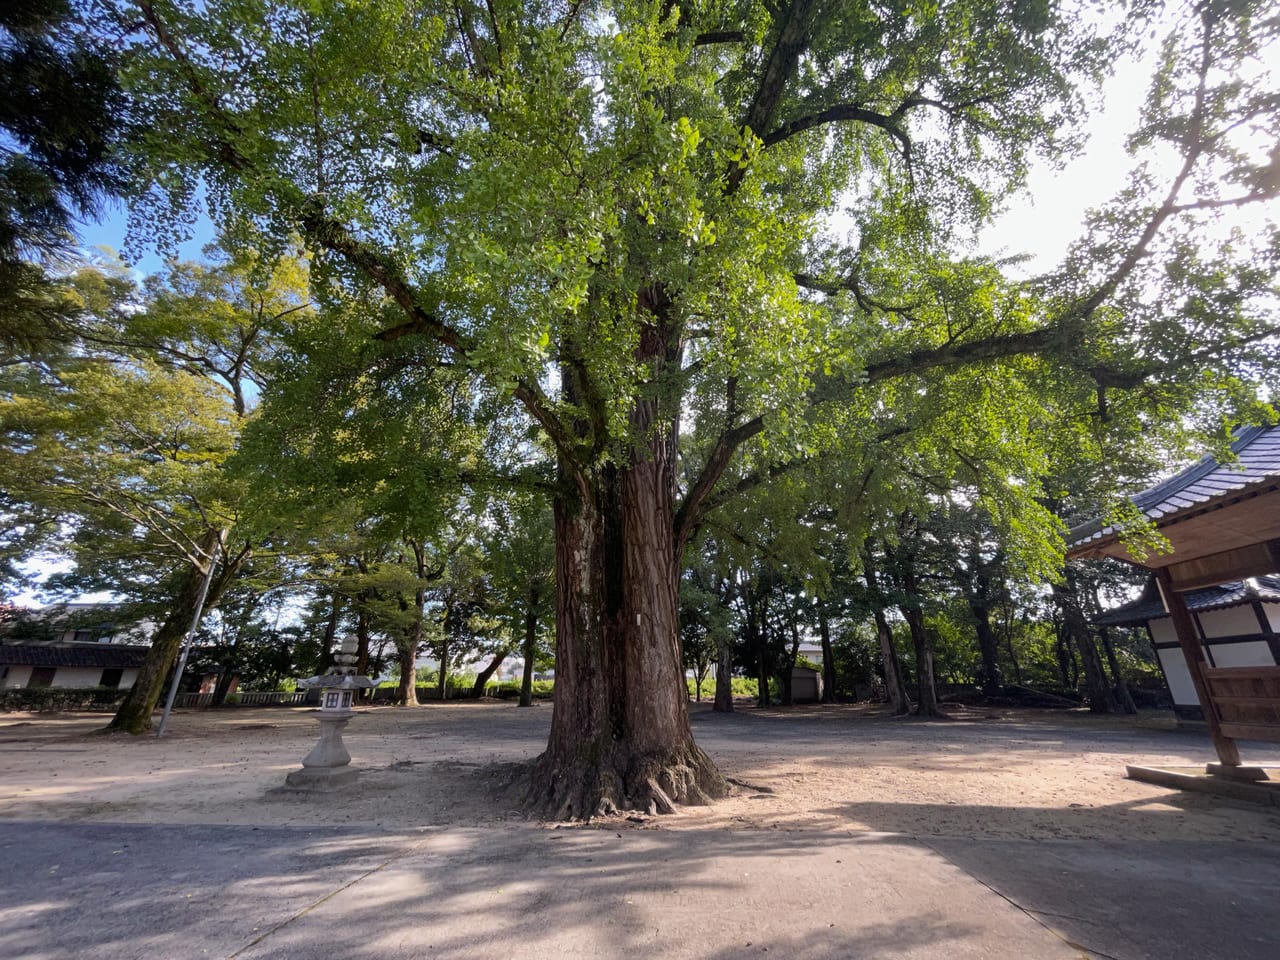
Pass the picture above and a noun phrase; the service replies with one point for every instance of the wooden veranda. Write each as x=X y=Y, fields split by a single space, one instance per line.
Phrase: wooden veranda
x=1222 y=523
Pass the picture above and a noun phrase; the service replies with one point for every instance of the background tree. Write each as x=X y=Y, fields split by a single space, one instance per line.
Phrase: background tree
x=520 y=556
x=118 y=444
x=61 y=114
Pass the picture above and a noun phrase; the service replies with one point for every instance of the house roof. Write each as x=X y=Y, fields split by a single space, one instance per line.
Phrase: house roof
x=1150 y=607
x=1221 y=521
x=105 y=655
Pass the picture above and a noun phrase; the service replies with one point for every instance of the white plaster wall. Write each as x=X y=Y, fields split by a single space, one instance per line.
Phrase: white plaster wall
x=17 y=677
x=1162 y=630
x=1273 y=614
x=90 y=677
x=1243 y=655
x=77 y=676
x=1234 y=622
x=20 y=676
x=1175 y=669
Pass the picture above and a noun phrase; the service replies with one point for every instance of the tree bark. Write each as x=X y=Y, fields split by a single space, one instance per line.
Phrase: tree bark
x=757 y=639
x=331 y=624
x=787 y=674
x=987 y=647
x=222 y=689
x=620 y=734
x=1097 y=690
x=701 y=668
x=1120 y=685
x=482 y=678
x=134 y=713
x=926 y=685
x=362 y=648
x=724 y=675
x=1013 y=655
x=828 y=657
x=530 y=648
x=407 y=691
x=894 y=682
x=442 y=678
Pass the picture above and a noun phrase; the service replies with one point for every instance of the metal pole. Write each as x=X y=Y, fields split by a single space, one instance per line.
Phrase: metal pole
x=186 y=640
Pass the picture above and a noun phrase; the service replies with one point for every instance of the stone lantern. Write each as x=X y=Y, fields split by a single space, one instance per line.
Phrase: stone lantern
x=327 y=765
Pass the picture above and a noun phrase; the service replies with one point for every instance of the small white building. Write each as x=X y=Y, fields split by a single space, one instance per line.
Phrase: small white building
x=1238 y=623
x=69 y=664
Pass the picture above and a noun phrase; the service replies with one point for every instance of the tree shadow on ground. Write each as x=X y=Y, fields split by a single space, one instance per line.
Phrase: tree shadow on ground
x=103 y=891
x=1143 y=897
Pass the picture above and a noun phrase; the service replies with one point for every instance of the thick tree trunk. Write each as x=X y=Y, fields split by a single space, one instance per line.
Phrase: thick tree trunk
x=828 y=657
x=482 y=678
x=895 y=684
x=1066 y=659
x=1097 y=690
x=724 y=676
x=1013 y=655
x=926 y=684
x=1120 y=685
x=987 y=647
x=442 y=678
x=530 y=648
x=407 y=692
x=331 y=624
x=222 y=688
x=787 y=675
x=620 y=735
x=362 y=648
x=134 y=714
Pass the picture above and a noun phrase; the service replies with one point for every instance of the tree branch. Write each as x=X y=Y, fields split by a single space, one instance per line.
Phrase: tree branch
x=840 y=113
x=335 y=237
x=691 y=511
x=851 y=285
x=1195 y=141
x=960 y=354
x=719 y=36
x=793 y=39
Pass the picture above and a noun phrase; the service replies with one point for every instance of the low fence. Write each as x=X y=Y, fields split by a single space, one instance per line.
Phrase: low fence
x=248 y=698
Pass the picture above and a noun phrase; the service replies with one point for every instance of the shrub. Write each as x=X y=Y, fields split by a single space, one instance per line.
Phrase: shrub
x=55 y=699
x=510 y=689
x=742 y=687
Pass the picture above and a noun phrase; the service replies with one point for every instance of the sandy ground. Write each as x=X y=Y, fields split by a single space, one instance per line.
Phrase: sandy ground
x=849 y=770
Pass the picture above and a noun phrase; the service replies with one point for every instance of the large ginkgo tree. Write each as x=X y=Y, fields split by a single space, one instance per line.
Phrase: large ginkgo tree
x=631 y=217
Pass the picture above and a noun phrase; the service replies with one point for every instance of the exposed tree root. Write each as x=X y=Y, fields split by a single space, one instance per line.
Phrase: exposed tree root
x=623 y=781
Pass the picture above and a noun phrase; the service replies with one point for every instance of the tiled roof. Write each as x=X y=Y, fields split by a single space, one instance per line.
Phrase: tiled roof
x=1258 y=450
x=1150 y=607
x=105 y=655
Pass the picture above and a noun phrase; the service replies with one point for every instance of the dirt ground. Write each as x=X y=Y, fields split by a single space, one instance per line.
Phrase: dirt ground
x=1002 y=774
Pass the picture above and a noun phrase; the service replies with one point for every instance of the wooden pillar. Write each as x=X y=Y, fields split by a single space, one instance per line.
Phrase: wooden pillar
x=1193 y=653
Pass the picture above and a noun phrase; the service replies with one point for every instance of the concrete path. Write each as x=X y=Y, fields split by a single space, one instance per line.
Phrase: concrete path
x=101 y=891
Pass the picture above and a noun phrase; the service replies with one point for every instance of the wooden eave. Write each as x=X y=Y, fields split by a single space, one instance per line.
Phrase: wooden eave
x=1226 y=538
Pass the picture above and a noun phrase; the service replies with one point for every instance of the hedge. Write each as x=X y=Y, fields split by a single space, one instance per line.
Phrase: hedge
x=57 y=699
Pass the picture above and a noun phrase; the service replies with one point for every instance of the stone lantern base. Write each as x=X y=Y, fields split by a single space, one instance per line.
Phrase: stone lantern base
x=326 y=766
x=321 y=778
